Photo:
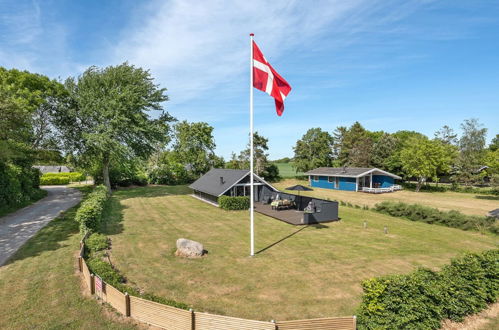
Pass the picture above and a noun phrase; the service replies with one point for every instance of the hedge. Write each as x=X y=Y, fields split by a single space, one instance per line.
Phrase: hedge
x=53 y=180
x=89 y=214
x=19 y=185
x=62 y=177
x=454 y=219
x=424 y=298
x=453 y=187
x=234 y=203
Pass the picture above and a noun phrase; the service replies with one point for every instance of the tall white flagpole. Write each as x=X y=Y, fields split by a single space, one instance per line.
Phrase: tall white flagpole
x=252 y=222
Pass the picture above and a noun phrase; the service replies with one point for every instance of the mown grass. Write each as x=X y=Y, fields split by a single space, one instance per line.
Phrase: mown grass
x=302 y=272
x=40 y=289
x=466 y=203
x=286 y=170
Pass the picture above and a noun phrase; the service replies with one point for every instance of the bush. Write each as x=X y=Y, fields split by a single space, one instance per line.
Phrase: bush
x=19 y=185
x=105 y=271
x=53 y=180
x=89 y=214
x=453 y=187
x=234 y=203
x=454 y=219
x=422 y=299
x=97 y=242
x=61 y=178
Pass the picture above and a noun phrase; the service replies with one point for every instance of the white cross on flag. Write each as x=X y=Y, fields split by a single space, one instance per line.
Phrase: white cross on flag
x=266 y=79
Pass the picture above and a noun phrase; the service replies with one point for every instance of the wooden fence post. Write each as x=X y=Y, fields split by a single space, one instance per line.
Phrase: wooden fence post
x=92 y=284
x=355 y=322
x=80 y=264
x=127 y=304
x=193 y=319
x=275 y=324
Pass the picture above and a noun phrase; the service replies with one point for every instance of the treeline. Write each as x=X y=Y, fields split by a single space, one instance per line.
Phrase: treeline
x=25 y=101
x=463 y=159
x=99 y=123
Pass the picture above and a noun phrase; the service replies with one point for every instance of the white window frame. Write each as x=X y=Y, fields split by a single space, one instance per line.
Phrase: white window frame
x=330 y=179
x=315 y=178
x=337 y=182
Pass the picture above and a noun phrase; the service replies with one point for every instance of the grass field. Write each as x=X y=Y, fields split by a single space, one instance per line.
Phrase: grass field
x=466 y=203
x=39 y=287
x=286 y=170
x=300 y=272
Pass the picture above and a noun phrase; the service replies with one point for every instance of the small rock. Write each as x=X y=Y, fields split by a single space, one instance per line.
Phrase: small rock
x=189 y=249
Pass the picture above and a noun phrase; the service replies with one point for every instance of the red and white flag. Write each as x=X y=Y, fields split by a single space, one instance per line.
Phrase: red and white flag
x=266 y=79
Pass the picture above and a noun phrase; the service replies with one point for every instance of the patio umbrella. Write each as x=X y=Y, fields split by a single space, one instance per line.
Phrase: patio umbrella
x=299 y=188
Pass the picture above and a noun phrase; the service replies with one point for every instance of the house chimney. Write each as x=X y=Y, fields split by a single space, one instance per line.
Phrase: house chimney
x=222 y=180
x=344 y=169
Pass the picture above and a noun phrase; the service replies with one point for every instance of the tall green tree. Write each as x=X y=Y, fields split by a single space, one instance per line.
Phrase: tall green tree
x=472 y=151
x=403 y=139
x=383 y=150
x=446 y=135
x=350 y=142
x=24 y=99
x=194 y=145
x=361 y=152
x=494 y=144
x=260 y=155
x=314 y=149
x=423 y=159
x=107 y=118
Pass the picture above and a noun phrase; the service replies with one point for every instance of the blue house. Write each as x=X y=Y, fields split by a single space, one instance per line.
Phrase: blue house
x=363 y=179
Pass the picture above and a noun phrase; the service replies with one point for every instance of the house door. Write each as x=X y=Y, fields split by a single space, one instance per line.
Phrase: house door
x=367 y=181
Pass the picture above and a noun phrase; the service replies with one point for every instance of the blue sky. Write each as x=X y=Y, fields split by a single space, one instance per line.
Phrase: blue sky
x=391 y=65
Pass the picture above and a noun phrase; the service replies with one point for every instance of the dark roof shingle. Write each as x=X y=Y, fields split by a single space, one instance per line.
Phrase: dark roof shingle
x=210 y=183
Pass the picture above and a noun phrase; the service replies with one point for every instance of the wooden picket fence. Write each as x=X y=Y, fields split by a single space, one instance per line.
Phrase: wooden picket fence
x=168 y=317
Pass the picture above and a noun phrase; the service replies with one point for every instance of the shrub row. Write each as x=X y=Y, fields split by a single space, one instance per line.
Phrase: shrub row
x=113 y=277
x=63 y=177
x=422 y=299
x=454 y=187
x=89 y=214
x=53 y=180
x=19 y=185
x=234 y=203
x=454 y=219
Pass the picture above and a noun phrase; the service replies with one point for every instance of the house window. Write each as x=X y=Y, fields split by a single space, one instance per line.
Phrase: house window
x=315 y=178
x=330 y=179
x=337 y=182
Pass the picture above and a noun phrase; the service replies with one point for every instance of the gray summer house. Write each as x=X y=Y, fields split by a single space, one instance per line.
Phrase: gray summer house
x=293 y=209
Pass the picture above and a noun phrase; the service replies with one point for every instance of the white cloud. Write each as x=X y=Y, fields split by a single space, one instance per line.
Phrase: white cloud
x=194 y=47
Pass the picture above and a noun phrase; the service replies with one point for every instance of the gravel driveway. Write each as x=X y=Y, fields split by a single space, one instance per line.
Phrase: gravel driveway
x=16 y=228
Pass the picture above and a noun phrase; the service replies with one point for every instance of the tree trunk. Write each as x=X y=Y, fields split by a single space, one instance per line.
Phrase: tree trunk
x=419 y=184
x=105 y=172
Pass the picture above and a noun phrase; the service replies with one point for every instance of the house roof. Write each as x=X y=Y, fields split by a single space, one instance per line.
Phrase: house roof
x=211 y=184
x=52 y=169
x=350 y=172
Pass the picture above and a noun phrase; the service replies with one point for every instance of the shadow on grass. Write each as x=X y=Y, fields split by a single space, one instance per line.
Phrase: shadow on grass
x=491 y=198
x=48 y=238
x=112 y=217
x=282 y=239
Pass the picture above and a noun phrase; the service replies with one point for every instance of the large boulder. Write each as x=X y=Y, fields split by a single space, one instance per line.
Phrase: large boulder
x=189 y=249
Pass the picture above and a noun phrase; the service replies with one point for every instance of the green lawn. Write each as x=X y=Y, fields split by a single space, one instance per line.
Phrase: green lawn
x=39 y=287
x=301 y=272
x=473 y=204
x=286 y=170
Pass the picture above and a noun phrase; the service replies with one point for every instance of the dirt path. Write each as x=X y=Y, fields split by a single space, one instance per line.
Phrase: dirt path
x=16 y=228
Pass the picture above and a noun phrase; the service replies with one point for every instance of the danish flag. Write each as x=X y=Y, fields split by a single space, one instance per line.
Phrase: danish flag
x=266 y=79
